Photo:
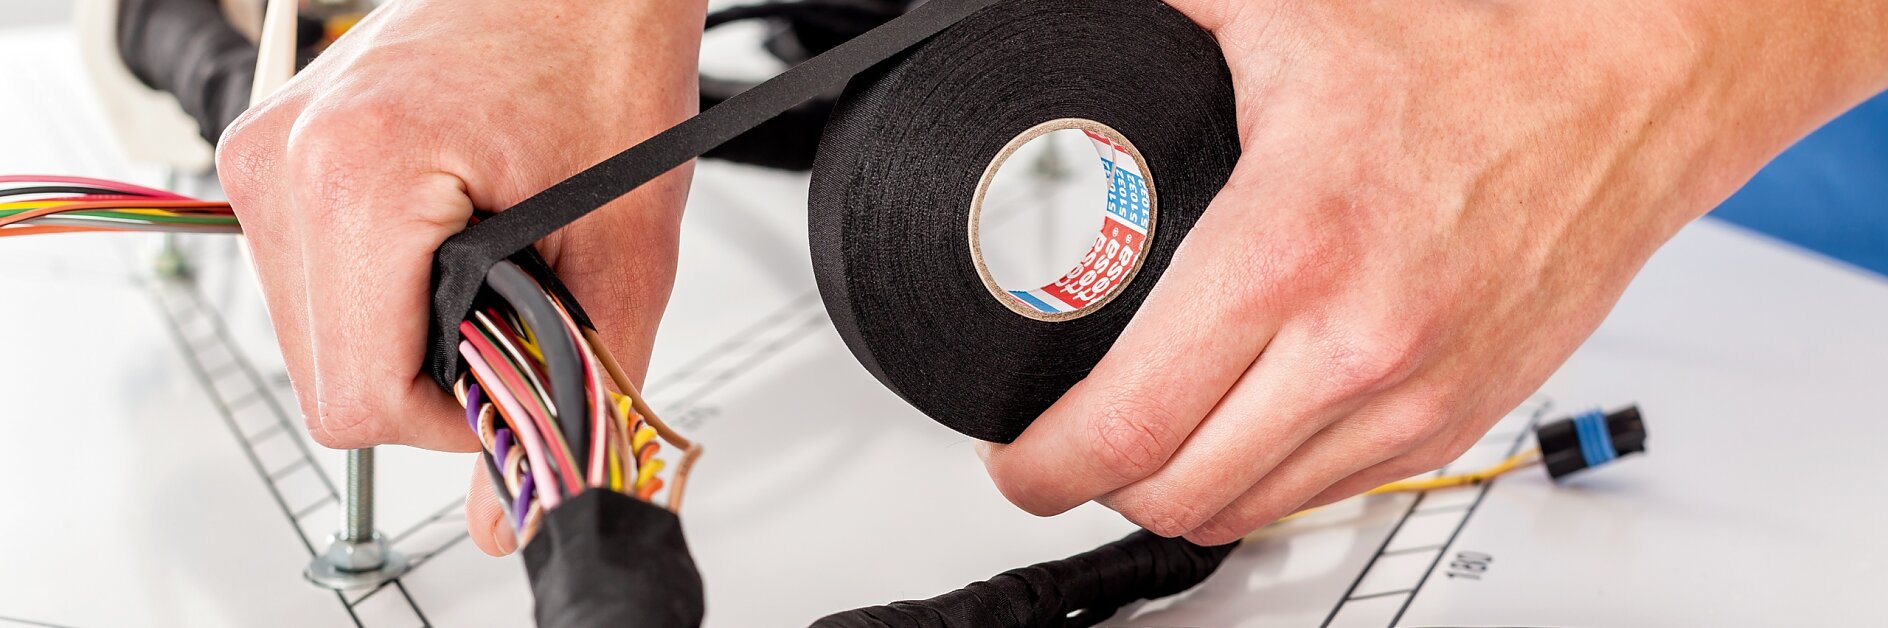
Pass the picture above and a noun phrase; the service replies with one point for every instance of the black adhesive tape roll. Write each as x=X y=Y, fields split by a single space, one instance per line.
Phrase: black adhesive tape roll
x=904 y=156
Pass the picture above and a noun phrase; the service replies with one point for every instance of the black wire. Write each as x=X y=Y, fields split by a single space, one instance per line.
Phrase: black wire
x=498 y=483
x=815 y=10
x=561 y=357
x=66 y=189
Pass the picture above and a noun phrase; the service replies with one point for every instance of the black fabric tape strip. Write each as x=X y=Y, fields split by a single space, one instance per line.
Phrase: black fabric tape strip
x=1082 y=590
x=901 y=160
x=460 y=264
x=603 y=558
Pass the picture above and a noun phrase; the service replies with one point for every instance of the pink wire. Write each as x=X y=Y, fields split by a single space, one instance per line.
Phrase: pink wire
x=91 y=182
x=95 y=198
x=503 y=397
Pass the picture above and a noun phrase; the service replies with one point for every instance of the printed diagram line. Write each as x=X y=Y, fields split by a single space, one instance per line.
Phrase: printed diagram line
x=28 y=622
x=681 y=393
x=233 y=384
x=1539 y=408
x=1513 y=448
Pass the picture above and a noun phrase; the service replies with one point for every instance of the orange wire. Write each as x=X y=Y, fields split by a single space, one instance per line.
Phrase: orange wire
x=26 y=230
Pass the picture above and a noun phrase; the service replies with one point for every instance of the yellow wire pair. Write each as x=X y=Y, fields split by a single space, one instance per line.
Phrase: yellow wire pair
x=644 y=433
x=1513 y=462
x=1527 y=458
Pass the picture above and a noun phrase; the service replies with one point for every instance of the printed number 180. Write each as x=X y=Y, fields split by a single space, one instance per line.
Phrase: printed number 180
x=1469 y=565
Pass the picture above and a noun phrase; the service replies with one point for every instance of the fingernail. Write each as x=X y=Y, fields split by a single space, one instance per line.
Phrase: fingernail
x=507 y=540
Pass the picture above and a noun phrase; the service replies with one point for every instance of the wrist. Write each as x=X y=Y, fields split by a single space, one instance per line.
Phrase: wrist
x=1779 y=69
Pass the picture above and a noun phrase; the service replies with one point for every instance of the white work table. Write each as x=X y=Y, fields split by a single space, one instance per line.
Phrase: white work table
x=133 y=500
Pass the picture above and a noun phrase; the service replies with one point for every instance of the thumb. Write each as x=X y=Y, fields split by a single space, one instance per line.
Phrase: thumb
x=485 y=519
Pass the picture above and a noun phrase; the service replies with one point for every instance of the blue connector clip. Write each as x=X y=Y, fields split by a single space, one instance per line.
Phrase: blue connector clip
x=1590 y=439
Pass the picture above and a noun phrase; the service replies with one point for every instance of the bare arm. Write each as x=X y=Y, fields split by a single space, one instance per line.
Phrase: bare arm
x=1438 y=201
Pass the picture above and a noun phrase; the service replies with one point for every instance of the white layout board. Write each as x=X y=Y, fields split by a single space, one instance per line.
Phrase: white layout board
x=157 y=476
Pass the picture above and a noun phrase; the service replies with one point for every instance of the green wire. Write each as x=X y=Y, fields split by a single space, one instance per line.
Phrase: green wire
x=119 y=215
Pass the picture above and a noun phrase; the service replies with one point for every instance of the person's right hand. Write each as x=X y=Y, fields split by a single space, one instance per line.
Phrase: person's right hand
x=349 y=177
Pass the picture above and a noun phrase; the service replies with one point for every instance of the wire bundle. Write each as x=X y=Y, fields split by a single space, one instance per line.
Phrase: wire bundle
x=39 y=204
x=534 y=393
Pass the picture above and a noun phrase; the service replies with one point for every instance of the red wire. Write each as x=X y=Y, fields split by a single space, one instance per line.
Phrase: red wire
x=572 y=481
x=91 y=182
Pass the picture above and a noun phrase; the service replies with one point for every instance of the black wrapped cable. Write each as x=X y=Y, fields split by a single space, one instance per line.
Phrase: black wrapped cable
x=1082 y=590
x=803 y=29
x=188 y=49
x=805 y=34
x=603 y=558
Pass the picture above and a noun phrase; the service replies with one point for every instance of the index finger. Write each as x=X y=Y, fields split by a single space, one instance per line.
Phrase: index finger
x=1183 y=350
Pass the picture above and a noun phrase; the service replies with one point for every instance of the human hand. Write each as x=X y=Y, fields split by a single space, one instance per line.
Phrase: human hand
x=349 y=177
x=1437 y=203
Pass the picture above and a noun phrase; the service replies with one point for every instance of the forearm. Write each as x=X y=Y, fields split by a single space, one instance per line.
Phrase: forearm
x=1695 y=94
x=1779 y=69
x=1802 y=63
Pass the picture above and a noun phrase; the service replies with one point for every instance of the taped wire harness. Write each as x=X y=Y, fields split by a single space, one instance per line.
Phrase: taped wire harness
x=1082 y=590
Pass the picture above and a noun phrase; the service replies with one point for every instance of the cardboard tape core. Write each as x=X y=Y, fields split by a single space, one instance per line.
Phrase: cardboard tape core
x=1119 y=247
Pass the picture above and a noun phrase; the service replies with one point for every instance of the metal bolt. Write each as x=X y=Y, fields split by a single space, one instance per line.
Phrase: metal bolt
x=358 y=524
x=357 y=556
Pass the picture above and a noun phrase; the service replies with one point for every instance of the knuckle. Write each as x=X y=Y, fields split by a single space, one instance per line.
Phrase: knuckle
x=1368 y=362
x=1218 y=532
x=1237 y=521
x=1395 y=436
x=1130 y=437
x=1168 y=519
x=245 y=153
x=321 y=141
x=1426 y=459
x=1398 y=432
x=1163 y=522
x=342 y=136
x=346 y=420
x=1405 y=428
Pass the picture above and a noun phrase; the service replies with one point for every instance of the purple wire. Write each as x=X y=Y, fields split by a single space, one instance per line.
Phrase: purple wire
x=473 y=399
x=526 y=494
x=501 y=444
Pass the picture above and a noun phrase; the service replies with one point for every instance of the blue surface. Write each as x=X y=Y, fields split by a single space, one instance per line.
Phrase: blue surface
x=1829 y=193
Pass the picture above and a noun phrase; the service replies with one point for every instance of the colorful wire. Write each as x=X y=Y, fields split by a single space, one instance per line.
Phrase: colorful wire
x=42 y=204
x=537 y=389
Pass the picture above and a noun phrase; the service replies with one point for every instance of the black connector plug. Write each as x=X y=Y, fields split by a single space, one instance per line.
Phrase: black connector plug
x=1590 y=439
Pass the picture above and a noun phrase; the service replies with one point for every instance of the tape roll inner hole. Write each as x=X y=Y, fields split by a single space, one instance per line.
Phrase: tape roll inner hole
x=1033 y=212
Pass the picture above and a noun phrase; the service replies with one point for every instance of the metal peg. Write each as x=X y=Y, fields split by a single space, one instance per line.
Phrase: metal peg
x=357 y=556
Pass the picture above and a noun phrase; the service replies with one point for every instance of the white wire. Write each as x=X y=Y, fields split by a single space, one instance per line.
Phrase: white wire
x=275 y=53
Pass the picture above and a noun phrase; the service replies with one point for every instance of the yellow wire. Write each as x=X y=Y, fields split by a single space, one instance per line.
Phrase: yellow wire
x=616 y=474
x=648 y=471
x=641 y=437
x=40 y=204
x=1416 y=485
x=530 y=342
x=621 y=418
x=1473 y=477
